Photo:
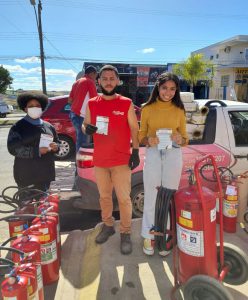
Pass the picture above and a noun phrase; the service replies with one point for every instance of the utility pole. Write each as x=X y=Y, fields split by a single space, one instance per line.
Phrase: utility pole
x=42 y=56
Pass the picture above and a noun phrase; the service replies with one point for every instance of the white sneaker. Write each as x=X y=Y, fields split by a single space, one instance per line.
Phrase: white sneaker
x=164 y=253
x=148 y=247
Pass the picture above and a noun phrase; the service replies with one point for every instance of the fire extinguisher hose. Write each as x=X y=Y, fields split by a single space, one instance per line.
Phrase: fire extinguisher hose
x=14 y=206
x=21 y=197
x=162 y=211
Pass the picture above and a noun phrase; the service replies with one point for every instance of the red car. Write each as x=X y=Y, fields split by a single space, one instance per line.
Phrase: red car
x=221 y=138
x=57 y=113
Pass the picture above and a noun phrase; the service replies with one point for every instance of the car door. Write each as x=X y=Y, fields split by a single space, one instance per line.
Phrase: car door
x=236 y=119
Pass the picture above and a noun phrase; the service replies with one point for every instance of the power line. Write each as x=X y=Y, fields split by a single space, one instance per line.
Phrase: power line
x=84 y=5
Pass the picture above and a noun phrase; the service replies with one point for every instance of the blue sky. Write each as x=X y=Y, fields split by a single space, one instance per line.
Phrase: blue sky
x=152 y=32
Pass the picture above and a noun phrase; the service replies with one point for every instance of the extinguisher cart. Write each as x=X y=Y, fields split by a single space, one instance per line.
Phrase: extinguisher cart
x=200 y=263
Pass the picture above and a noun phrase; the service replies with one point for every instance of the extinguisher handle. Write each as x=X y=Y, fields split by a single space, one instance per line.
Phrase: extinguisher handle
x=197 y=174
x=32 y=230
x=28 y=255
x=48 y=209
x=23 y=267
x=52 y=214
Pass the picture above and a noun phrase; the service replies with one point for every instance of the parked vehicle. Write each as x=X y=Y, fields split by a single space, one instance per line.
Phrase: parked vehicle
x=57 y=113
x=4 y=110
x=225 y=136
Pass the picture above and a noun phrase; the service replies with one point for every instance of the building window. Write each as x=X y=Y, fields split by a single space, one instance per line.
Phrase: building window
x=246 y=54
x=211 y=57
x=224 y=80
x=217 y=56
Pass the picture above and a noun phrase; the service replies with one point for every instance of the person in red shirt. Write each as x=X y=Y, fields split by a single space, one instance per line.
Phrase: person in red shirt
x=82 y=90
x=112 y=121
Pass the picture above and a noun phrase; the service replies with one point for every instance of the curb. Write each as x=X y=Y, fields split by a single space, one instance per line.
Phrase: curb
x=7 y=122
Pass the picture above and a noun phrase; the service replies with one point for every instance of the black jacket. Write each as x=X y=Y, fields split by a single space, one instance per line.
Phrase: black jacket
x=29 y=166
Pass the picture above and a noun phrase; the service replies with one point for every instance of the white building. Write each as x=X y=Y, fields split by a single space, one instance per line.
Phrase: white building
x=230 y=58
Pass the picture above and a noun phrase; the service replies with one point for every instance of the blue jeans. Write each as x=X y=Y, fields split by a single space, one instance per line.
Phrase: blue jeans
x=81 y=138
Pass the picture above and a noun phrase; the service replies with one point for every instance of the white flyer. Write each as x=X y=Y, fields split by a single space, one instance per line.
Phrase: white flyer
x=164 y=135
x=45 y=140
x=102 y=125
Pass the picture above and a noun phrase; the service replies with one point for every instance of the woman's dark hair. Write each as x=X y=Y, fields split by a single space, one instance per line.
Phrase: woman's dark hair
x=161 y=79
x=24 y=98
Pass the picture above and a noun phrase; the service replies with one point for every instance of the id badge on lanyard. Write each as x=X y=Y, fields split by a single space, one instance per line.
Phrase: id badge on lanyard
x=102 y=125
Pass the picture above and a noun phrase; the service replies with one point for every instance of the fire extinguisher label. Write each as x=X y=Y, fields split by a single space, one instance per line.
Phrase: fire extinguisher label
x=217 y=204
x=190 y=242
x=39 y=277
x=48 y=253
x=230 y=209
x=18 y=228
x=9 y=298
x=186 y=214
x=231 y=190
x=185 y=222
x=213 y=214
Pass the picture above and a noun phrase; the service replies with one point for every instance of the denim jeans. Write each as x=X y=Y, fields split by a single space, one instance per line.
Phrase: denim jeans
x=81 y=138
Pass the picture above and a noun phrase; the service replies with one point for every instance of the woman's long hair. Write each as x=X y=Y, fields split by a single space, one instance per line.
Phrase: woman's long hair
x=164 y=77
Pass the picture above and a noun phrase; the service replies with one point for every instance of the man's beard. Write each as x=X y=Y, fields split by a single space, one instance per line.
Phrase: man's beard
x=107 y=93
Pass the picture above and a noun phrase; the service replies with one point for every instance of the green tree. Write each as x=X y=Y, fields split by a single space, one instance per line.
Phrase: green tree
x=195 y=68
x=5 y=79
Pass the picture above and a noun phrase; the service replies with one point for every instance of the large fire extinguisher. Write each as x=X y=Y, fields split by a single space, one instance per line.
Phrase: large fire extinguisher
x=196 y=229
x=230 y=207
x=49 y=252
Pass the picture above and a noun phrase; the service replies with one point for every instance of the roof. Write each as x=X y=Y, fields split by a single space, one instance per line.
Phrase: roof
x=238 y=39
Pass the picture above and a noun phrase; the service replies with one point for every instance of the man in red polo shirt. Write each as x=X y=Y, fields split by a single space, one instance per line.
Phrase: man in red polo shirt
x=82 y=90
x=112 y=121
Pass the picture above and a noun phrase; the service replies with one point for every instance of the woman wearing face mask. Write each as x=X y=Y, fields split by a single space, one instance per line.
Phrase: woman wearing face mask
x=33 y=142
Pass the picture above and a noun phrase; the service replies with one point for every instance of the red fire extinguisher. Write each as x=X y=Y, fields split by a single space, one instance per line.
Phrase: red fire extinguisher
x=49 y=252
x=53 y=209
x=196 y=228
x=15 y=287
x=30 y=244
x=230 y=207
x=29 y=271
x=16 y=226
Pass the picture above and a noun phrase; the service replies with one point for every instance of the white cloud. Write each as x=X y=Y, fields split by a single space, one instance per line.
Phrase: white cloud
x=17 y=69
x=30 y=78
x=147 y=50
x=28 y=60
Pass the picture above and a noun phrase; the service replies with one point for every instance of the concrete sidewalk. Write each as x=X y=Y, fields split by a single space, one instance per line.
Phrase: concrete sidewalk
x=90 y=271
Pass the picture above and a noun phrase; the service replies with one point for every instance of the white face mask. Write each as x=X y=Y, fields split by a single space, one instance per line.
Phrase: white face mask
x=34 y=112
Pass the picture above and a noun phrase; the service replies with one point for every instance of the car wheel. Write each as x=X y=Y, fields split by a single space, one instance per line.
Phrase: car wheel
x=67 y=148
x=2 y=115
x=137 y=198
